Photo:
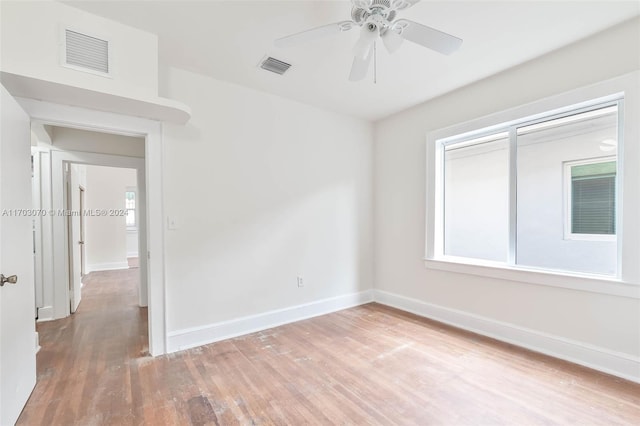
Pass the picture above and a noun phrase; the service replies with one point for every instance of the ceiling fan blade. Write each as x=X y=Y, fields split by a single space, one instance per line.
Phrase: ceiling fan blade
x=401 y=4
x=314 y=33
x=392 y=40
x=360 y=66
x=428 y=37
x=368 y=35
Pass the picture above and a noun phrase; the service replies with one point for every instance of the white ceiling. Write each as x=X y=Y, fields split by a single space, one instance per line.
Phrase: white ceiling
x=227 y=40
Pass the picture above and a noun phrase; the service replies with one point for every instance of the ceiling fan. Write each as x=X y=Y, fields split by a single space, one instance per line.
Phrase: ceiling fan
x=377 y=20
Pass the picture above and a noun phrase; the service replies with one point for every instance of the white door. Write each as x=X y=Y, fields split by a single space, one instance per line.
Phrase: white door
x=17 y=316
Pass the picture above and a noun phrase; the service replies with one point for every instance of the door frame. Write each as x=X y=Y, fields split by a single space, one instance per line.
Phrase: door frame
x=68 y=202
x=82 y=205
x=150 y=178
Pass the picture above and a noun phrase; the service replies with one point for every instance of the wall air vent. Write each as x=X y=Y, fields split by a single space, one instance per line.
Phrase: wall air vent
x=86 y=52
x=275 y=65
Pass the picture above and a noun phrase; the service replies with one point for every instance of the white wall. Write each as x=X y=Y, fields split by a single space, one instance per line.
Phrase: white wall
x=607 y=322
x=31 y=45
x=106 y=239
x=262 y=190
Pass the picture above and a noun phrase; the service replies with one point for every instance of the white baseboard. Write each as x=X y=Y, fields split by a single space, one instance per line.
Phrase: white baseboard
x=45 y=313
x=132 y=254
x=197 y=336
x=607 y=361
x=106 y=266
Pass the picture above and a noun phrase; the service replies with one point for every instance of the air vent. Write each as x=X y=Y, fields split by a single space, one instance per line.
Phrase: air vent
x=86 y=52
x=275 y=65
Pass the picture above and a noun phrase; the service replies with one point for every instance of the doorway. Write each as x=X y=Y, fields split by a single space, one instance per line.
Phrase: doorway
x=101 y=218
x=149 y=170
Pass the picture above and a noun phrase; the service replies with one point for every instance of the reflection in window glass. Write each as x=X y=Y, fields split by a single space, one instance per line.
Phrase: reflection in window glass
x=566 y=186
x=476 y=199
x=539 y=193
x=593 y=198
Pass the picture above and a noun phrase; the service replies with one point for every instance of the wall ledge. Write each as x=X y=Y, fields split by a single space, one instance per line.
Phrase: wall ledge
x=616 y=363
x=149 y=107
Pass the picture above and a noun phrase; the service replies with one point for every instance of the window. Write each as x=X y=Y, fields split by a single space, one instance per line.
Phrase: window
x=591 y=199
x=476 y=199
x=130 y=206
x=538 y=192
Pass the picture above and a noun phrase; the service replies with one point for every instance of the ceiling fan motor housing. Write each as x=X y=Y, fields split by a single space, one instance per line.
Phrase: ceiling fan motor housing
x=379 y=15
x=377 y=12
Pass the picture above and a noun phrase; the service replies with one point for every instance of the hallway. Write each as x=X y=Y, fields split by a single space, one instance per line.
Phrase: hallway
x=87 y=361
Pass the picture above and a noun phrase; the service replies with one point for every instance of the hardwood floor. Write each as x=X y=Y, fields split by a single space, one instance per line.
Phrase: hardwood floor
x=366 y=365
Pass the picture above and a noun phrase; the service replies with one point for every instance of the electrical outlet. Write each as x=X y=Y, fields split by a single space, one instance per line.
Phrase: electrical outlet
x=300 y=282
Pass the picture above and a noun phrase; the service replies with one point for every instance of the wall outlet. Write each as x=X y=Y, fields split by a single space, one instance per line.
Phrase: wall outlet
x=300 y=282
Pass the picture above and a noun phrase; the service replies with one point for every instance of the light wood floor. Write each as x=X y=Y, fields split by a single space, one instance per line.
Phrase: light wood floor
x=367 y=365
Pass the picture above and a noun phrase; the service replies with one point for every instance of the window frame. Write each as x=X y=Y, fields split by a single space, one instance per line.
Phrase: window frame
x=626 y=91
x=134 y=227
x=568 y=200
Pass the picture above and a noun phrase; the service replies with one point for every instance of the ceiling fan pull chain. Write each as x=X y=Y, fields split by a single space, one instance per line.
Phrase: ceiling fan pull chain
x=375 y=64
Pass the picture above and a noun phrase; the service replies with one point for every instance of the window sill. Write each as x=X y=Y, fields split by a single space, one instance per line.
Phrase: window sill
x=583 y=282
x=590 y=237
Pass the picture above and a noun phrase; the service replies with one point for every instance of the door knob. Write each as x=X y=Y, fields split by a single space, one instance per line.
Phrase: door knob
x=11 y=280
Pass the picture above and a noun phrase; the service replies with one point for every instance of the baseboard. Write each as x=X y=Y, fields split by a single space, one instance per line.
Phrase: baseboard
x=197 y=336
x=132 y=254
x=607 y=361
x=45 y=313
x=106 y=266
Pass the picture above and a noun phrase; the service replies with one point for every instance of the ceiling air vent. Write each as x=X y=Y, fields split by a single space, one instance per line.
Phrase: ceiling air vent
x=86 y=52
x=275 y=65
